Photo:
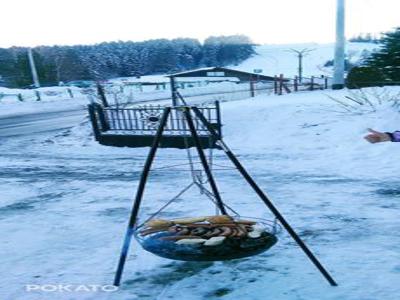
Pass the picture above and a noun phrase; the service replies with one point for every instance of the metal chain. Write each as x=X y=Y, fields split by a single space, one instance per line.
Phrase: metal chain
x=211 y=197
x=197 y=178
x=167 y=204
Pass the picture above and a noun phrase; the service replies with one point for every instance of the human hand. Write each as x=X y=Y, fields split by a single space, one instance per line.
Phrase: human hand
x=377 y=137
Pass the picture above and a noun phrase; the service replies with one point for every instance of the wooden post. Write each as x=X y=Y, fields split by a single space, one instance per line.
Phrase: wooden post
x=275 y=84
x=38 y=98
x=326 y=82
x=280 y=84
x=312 y=83
x=252 y=91
x=69 y=91
x=296 y=84
x=173 y=91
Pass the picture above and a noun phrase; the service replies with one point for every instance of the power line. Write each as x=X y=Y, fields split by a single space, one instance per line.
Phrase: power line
x=300 y=54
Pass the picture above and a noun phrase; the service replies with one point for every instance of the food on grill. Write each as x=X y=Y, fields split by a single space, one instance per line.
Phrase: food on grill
x=211 y=230
x=220 y=219
x=191 y=241
x=188 y=220
x=158 y=223
x=214 y=241
x=245 y=222
x=209 y=238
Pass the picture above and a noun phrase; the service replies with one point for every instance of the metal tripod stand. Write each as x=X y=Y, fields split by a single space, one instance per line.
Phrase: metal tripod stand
x=188 y=112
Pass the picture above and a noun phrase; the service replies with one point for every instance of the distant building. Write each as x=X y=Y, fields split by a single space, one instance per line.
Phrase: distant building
x=193 y=78
x=221 y=74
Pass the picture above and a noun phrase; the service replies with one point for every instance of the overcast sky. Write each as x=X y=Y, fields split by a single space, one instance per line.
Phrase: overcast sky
x=68 y=22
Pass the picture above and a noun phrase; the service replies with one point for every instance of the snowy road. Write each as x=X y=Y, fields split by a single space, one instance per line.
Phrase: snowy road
x=40 y=122
x=65 y=202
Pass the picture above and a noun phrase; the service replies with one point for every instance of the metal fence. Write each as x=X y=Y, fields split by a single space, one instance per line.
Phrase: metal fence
x=223 y=91
x=43 y=94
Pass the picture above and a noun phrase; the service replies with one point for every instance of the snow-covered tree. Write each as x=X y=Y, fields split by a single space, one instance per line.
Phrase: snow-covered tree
x=115 y=59
x=387 y=58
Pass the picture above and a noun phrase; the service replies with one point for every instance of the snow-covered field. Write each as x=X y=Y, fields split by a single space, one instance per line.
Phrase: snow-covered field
x=65 y=203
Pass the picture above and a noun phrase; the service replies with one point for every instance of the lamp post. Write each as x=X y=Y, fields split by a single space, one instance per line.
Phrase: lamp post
x=35 y=76
x=338 y=76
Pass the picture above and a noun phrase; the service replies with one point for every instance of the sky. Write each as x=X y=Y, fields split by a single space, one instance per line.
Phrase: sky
x=70 y=22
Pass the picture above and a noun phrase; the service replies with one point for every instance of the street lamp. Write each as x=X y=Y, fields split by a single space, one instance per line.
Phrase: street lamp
x=338 y=76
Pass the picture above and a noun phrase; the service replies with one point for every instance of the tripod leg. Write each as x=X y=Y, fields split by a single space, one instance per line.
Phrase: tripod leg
x=203 y=160
x=264 y=198
x=139 y=196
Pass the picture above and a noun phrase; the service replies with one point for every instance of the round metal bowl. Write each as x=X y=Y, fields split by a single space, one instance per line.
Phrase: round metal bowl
x=230 y=248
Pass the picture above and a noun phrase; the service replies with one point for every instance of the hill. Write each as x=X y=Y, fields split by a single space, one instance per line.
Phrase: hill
x=277 y=59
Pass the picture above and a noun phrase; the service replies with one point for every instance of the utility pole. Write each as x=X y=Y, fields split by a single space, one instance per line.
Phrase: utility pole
x=338 y=76
x=300 y=54
x=35 y=77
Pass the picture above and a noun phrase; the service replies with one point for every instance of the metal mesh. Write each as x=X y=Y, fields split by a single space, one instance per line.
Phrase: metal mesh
x=144 y=120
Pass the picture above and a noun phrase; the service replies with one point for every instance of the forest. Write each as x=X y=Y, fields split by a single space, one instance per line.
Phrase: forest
x=56 y=64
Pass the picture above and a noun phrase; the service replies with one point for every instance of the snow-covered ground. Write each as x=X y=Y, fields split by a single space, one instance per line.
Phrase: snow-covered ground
x=51 y=99
x=65 y=203
x=280 y=59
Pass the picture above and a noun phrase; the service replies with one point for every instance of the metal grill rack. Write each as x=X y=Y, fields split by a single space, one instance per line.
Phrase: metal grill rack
x=136 y=126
